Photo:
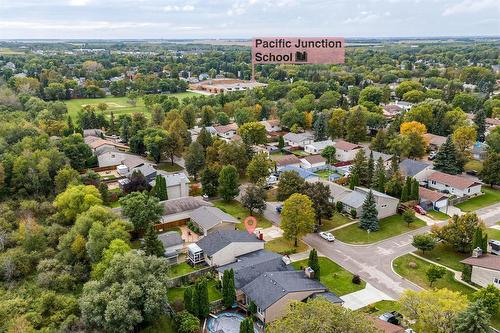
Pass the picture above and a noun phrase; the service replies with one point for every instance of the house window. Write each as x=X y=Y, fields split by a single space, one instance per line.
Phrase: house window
x=468 y=190
x=433 y=182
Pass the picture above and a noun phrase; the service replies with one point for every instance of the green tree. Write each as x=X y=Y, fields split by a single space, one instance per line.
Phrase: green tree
x=228 y=290
x=369 y=220
x=289 y=183
x=424 y=242
x=194 y=159
x=281 y=142
x=491 y=169
x=253 y=133
x=297 y=217
x=259 y=168
x=116 y=247
x=222 y=118
x=473 y=320
x=320 y=315
x=480 y=240
x=409 y=216
x=210 y=181
x=189 y=299
x=415 y=187
x=142 y=210
x=65 y=176
x=246 y=326
x=380 y=176
x=254 y=198
x=447 y=159
x=76 y=150
x=131 y=292
x=359 y=167
x=156 y=142
x=434 y=273
x=77 y=199
x=202 y=302
x=204 y=138
x=356 y=125
x=371 y=94
x=185 y=322
x=329 y=154
x=320 y=195
x=380 y=141
x=228 y=183
x=160 y=188
x=313 y=262
x=320 y=127
x=151 y=245
x=337 y=123
x=459 y=231
x=489 y=297
x=370 y=166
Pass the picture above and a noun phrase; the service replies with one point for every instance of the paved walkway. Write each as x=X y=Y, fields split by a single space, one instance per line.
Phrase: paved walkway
x=364 y=297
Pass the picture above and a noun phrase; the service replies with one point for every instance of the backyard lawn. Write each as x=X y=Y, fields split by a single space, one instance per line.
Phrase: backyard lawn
x=379 y=308
x=178 y=293
x=389 y=227
x=417 y=275
x=181 y=269
x=235 y=209
x=168 y=167
x=490 y=197
x=445 y=255
x=118 y=105
x=336 y=221
x=283 y=246
x=440 y=216
x=164 y=324
x=334 y=277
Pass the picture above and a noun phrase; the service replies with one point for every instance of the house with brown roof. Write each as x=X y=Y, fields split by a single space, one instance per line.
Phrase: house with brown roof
x=345 y=151
x=452 y=184
x=95 y=143
x=287 y=160
x=491 y=123
x=386 y=327
x=434 y=141
x=430 y=199
x=313 y=162
x=226 y=131
x=271 y=125
x=485 y=268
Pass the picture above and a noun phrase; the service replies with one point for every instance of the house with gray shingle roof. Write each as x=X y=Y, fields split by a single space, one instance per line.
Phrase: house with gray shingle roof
x=354 y=199
x=222 y=247
x=298 y=139
x=209 y=219
x=416 y=169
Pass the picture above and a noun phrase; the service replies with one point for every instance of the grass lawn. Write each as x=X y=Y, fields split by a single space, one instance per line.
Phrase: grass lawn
x=417 y=275
x=379 y=308
x=178 y=293
x=180 y=269
x=235 y=209
x=473 y=165
x=283 y=246
x=336 y=221
x=164 y=324
x=437 y=215
x=445 y=255
x=493 y=233
x=334 y=277
x=118 y=105
x=490 y=197
x=168 y=167
x=389 y=227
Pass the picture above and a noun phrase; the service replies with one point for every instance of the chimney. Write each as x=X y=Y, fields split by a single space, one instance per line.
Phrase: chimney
x=309 y=272
x=477 y=252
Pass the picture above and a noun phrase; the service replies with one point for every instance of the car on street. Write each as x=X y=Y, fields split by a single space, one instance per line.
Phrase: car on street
x=327 y=236
x=279 y=208
x=471 y=172
x=393 y=317
x=419 y=210
x=432 y=155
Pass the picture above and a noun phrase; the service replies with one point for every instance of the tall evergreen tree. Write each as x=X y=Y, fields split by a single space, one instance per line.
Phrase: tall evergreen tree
x=447 y=159
x=160 y=188
x=246 y=325
x=201 y=299
x=228 y=292
x=228 y=183
x=152 y=246
x=360 y=167
x=188 y=300
x=320 y=127
x=370 y=170
x=369 y=213
x=480 y=240
x=415 y=186
x=394 y=166
x=404 y=193
x=380 y=177
x=281 y=142
x=475 y=319
x=313 y=262
x=353 y=181
x=480 y=121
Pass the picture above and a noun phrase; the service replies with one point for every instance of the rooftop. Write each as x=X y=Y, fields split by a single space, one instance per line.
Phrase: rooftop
x=208 y=217
x=411 y=167
x=430 y=195
x=297 y=137
x=217 y=240
x=433 y=139
x=347 y=146
x=313 y=159
x=321 y=144
x=302 y=172
x=458 y=182
x=487 y=260
x=170 y=238
x=226 y=128
x=287 y=160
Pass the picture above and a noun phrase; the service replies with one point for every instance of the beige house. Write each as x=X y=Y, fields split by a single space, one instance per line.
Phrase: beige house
x=457 y=185
x=485 y=269
x=354 y=199
x=345 y=151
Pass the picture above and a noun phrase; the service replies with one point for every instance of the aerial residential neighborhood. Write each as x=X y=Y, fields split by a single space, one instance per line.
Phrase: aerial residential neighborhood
x=163 y=169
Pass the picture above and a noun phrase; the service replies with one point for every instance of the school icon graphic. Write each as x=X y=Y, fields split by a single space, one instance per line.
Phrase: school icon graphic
x=301 y=56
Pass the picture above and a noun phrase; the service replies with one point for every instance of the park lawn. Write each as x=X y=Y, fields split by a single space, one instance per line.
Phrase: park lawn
x=178 y=293
x=490 y=197
x=336 y=221
x=440 y=216
x=181 y=269
x=389 y=227
x=168 y=167
x=445 y=255
x=334 y=277
x=164 y=324
x=417 y=275
x=380 y=307
x=235 y=209
x=283 y=246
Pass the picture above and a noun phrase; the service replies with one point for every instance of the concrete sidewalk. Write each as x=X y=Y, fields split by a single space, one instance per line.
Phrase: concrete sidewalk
x=362 y=298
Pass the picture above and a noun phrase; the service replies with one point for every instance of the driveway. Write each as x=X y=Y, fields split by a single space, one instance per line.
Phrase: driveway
x=490 y=215
x=362 y=298
x=270 y=212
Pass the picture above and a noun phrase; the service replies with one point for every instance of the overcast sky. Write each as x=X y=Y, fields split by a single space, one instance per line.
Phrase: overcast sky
x=247 y=18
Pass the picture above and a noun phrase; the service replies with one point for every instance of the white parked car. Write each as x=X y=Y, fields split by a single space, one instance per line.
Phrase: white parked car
x=328 y=236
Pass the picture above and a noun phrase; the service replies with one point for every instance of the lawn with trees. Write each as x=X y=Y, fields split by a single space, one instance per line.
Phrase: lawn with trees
x=236 y=209
x=491 y=196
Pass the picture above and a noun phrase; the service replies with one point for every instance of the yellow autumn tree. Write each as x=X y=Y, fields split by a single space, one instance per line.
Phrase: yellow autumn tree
x=412 y=127
x=308 y=119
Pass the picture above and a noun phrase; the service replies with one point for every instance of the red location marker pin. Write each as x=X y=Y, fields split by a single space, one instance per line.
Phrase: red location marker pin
x=250 y=224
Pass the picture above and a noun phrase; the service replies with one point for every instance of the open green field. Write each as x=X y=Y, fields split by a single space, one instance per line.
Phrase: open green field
x=490 y=197
x=8 y=51
x=389 y=227
x=235 y=209
x=445 y=255
x=117 y=105
x=334 y=277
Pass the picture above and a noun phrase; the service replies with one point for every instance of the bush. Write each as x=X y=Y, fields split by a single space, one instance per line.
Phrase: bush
x=467 y=273
x=412 y=265
x=356 y=279
x=339 y=206
x=193 y=228
x=353 y=213
x=186 y=322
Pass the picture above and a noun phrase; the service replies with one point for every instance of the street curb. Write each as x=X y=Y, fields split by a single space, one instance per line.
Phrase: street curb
x=403 y=278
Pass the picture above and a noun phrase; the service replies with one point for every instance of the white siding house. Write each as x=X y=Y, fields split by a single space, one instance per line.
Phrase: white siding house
x=457 y=185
